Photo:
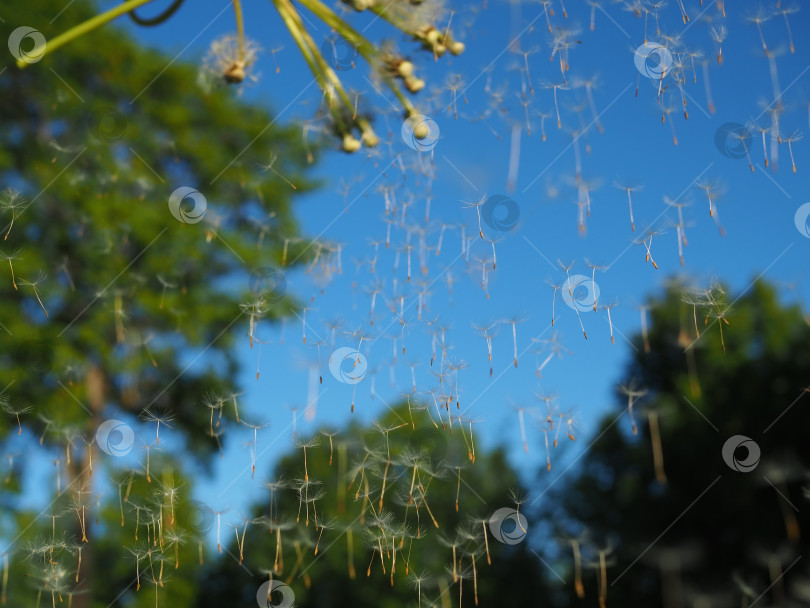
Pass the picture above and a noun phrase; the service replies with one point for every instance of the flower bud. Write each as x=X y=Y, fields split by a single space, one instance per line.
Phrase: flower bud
x=414 y=85
x=405 y=69
x=456 y=47
x=235 y=72
x=370 y=138
x=350 y=143
x=421 y=131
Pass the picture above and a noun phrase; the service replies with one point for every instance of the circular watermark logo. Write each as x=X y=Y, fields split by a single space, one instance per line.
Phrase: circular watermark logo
x=508 y=526
x=108 y=124
x=185 y=215
x=340 y=52
x=200 y=518
x=733 y=140
x=37 y=40
x=580 y=292
x=348 y=365
x=652 y=60
x=741 y=465
x=802 y=219
x=500 y=213
x=268 y=283
x=264 y=596
x=420 y=132
x=115 y=437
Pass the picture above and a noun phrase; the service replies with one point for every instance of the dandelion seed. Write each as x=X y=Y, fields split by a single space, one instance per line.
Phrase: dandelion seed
x=488 y=332
x=707 y=87
x=554 y=87
x=137 y=555
x=658 y=452
x=758 y=19
x=10 y=458
x=254 y=447
x=477 y=206
x=555 y=287
x=594 y=268
x=785 y=11
x=793 y=137
x=12 y=203
x=644 y=335
x=607 y=307
x=589 y=86
x=547 y=11
x=575 y=543
x=14 y=411
x=219 y=525
x=230 y=58
x=629 y=189
x=601 y=564
x=523 y=430
x=416 y=581
x=633 y=393
x=148 y=416
x=719 y=34
x=666 y=111
x=10 y=257
x=567 y=268
x=33 y=285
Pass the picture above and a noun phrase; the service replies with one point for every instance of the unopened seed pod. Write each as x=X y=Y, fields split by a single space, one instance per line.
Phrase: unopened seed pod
x=405 y=69
x=350 y=143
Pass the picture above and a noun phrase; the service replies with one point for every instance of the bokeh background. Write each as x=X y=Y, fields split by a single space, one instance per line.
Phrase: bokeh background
x=349 y=229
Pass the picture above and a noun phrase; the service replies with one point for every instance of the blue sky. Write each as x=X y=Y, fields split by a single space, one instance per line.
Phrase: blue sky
x=474 y=157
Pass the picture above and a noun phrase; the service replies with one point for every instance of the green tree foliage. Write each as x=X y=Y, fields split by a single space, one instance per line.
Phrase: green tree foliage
x=405 y=490
x=691 y=530
x=112 y=298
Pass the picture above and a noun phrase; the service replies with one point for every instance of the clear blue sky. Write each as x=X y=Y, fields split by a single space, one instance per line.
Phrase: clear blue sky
x=471 y=159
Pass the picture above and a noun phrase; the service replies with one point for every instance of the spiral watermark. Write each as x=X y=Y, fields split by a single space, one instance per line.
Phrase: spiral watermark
x=508 y=526
x=351 y=358
x=420 y=132
x=580 y=292
x=268 y=588
x=200 y=518
x=115 y=437
x=108 y=124
x=802 y=220
x=15 y=44
x=652 y=60
x=500 y=213
x=268 y=283
x=733 y=140
x=187 y=216
x=340 y=52
x=741 y=465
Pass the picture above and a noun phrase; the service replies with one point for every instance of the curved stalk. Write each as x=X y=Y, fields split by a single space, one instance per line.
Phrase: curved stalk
x=366 y=49
x=84 y=28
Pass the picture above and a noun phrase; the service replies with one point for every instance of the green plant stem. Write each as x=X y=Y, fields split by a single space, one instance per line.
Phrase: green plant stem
x=330 y=18
x=284 y=11
x=318 y=57
x=88 y=26
x=366 y=49
x=240 y=28
x=382 y=12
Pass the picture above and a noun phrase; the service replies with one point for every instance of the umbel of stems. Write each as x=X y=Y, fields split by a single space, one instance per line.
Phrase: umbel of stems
x=342 y=109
